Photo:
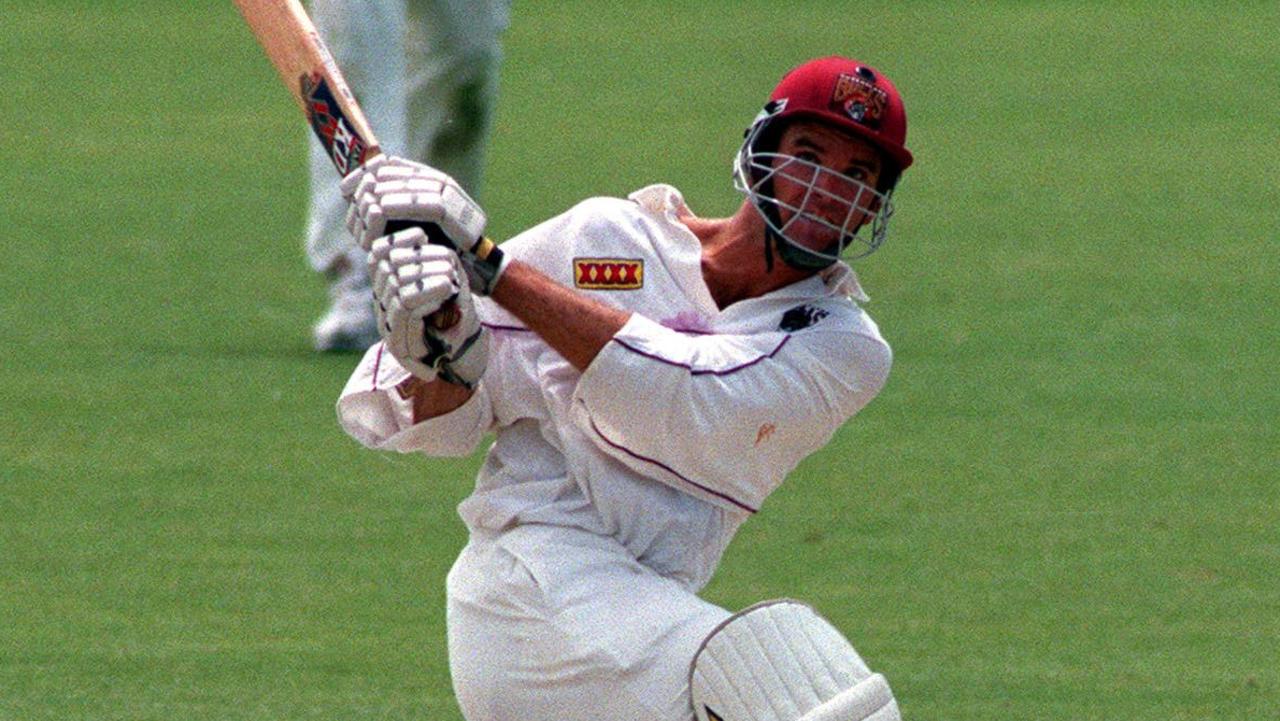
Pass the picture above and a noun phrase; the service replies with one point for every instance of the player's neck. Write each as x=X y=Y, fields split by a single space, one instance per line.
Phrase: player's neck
x=733 y=258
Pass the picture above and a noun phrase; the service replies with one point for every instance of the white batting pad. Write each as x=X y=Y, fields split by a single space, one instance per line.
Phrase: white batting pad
x=781 y=661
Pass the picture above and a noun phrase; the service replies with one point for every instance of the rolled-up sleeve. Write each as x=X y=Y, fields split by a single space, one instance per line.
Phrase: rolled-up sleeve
x=725 y=417
x=372 y=411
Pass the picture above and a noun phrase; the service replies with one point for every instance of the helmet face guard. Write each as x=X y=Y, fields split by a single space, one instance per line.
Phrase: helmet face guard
x=841 y=215
x=847 y=95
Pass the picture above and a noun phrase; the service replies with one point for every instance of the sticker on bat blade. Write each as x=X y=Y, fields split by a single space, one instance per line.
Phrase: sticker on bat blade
x=340 y=141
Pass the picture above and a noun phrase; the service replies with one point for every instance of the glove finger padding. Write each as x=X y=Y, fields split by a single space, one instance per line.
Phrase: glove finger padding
x=431 y=202
x=424 y=287
x=397 y=191
x=407 y=293
x=359 y=220
x=381 y=274
x=426 y=313
x=365 y=221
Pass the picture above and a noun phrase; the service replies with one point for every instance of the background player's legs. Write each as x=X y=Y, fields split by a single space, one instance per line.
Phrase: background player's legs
x=453 y=61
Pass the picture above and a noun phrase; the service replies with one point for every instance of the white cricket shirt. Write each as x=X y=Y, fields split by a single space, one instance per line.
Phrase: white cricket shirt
x=680 y=427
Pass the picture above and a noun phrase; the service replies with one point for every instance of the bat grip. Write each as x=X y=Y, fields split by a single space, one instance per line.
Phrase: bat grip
x=435 y=234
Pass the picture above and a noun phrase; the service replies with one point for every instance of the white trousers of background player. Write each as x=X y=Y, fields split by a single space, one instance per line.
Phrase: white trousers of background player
x=426 y=74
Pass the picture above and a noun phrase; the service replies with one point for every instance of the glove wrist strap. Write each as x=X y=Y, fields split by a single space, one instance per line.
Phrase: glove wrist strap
x=485 y=263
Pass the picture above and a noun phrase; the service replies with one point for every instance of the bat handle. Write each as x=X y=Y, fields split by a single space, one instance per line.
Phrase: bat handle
x=435 y=234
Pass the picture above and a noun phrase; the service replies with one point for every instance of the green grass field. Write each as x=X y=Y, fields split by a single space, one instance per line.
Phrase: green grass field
x=1064 y=505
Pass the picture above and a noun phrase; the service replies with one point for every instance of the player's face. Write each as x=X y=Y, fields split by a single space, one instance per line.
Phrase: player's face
x=829 y=180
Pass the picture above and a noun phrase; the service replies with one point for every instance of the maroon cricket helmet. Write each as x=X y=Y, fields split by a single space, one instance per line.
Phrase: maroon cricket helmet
x=848 y=94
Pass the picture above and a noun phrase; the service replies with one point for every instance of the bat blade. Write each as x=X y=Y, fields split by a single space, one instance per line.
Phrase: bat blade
x=295 y=48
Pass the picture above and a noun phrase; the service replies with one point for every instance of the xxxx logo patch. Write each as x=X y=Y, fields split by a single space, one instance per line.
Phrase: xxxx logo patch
x=608 y=273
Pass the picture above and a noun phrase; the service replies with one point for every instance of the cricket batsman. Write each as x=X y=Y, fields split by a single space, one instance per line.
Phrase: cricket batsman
x=649 y=377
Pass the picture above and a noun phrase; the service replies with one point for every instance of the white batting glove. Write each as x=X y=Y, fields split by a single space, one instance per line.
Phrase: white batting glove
x=389 y=194
x=425 y=311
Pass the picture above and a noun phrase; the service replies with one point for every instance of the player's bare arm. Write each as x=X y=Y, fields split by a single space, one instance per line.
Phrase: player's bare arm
x=576 y=326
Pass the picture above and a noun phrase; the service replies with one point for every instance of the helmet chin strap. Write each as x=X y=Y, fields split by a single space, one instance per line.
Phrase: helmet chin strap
x=800 y=258
x=769 y=239
x=792 y=255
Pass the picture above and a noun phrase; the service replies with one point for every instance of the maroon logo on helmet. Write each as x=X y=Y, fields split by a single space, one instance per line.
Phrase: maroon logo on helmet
x=861 y=100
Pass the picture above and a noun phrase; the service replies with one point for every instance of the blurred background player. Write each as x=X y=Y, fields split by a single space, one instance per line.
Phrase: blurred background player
x=426 y=73
x=649 y=377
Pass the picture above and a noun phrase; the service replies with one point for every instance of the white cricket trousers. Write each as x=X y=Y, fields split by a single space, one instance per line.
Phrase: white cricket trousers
x=426 y=74
x=548 y=623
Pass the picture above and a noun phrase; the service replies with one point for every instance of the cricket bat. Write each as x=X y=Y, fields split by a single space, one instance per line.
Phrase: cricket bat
x=291 y=42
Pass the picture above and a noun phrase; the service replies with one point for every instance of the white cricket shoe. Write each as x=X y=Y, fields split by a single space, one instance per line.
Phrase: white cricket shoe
x=350 y=323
